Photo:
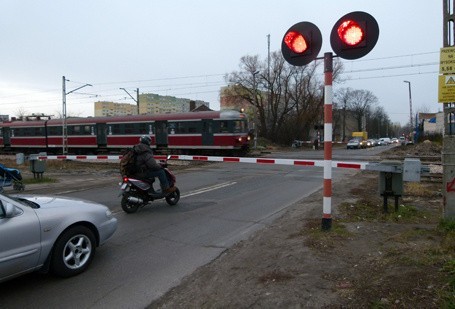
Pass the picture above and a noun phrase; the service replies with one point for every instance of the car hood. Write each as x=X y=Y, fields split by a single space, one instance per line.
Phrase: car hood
x=58 y=201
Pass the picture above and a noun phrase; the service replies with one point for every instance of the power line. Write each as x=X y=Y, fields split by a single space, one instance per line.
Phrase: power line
x=394 y=67
x=398 y=56
x=395 y=75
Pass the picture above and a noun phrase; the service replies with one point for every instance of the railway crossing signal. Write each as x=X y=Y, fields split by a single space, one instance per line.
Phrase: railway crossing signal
x=354 y=35
x=301 y=43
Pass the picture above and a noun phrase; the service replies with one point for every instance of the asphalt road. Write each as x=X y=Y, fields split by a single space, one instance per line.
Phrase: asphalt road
x=155 y=248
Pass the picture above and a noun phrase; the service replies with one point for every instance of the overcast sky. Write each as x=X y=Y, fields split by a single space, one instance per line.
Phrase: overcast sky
x=184 y=49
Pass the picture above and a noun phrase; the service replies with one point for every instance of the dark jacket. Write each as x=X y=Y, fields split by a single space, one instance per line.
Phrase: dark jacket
x=145 y=160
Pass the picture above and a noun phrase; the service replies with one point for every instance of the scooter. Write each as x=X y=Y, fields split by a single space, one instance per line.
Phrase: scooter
x=137 y=193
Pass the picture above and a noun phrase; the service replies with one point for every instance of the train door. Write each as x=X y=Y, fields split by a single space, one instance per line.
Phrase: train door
x=161 y=133
x=6 y=136
x=207 y=132
x=101 y=134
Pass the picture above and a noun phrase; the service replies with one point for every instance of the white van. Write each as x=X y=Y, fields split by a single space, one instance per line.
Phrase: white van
x=385 y=141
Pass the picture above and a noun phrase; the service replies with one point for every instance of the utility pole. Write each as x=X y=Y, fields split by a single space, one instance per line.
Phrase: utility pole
x=410 y=107
x=64 y=116
x=448 y=148
x=268 y=77
x=135 y=100
x=255 y=110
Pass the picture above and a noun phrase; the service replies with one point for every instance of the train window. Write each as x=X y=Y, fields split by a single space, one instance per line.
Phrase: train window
x=38 y=132
x=193 y=127
x=79 y=130
x=28 y=132
x=12 y=132
x=143 y=129
x=54 y=131
x=74 y=130
x=239 y=126
x=129 y=128
x=224 y=127
x=173 y=128
x=116 y=129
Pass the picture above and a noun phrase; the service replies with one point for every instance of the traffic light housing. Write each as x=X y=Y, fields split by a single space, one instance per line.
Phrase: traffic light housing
x=301 y=43
x=354 y=35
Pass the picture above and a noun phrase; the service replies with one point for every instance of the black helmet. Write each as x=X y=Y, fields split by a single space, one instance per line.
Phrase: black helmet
x=145 y=139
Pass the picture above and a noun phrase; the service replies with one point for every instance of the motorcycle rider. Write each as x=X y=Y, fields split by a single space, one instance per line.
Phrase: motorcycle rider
x=147 y=165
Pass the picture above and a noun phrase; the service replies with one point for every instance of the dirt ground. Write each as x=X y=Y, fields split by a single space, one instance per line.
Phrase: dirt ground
x=368 y=259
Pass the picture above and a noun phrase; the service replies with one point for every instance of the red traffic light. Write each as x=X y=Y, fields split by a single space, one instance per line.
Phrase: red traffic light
x=301 y=43
x=354 y=35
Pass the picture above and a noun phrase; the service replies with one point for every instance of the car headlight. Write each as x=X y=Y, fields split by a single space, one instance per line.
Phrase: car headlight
x=108 y=213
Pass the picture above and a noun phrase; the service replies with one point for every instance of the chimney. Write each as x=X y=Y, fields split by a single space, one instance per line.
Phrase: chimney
x=192 y=105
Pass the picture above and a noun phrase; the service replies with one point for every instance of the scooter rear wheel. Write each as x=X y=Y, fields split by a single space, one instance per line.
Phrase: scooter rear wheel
x=173 y=198
x=127 y=206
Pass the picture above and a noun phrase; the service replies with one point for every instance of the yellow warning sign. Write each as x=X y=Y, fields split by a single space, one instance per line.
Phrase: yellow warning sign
x=447 y=60
x=446 y=91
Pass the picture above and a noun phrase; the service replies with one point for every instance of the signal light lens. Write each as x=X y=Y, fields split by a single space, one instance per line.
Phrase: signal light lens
x=301 y=43
x=351 y=33
x=296 y=42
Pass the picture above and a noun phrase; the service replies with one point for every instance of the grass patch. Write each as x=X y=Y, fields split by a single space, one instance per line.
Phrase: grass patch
x=370 y=211
x=418 y=189
x=318 y=239
x=362 y=210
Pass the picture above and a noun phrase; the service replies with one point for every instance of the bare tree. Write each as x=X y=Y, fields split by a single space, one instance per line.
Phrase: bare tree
x=268 y=93
x=342 y=97
x=288 y=100
x=21 y=112
x=360 y=102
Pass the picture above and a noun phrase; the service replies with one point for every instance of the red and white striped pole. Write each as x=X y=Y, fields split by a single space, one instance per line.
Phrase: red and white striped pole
x=328 y=97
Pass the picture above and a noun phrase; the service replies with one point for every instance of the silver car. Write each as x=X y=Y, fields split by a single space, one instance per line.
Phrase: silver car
x=353 y=144
x=56 y=234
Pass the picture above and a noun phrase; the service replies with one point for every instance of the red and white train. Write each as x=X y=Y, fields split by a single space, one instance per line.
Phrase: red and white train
x=223 y=132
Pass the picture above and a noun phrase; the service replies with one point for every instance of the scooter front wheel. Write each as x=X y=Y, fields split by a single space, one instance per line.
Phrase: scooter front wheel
x=127 y=206
x=173 y=198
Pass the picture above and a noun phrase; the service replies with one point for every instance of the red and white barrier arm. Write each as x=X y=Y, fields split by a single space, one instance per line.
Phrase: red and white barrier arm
x=317 y=163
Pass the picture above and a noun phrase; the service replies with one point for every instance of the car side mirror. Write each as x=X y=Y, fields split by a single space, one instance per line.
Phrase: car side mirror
x=9 y=210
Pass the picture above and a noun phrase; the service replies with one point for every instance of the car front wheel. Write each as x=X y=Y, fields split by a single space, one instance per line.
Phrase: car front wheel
x=73 y=252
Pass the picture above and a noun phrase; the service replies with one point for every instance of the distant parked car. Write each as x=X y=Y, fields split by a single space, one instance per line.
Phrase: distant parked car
x=49 y=233
x=353 y=144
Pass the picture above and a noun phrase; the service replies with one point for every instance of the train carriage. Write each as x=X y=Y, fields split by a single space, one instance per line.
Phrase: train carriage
x=195 y=132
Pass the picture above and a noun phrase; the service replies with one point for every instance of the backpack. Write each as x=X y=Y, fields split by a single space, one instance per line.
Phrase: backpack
x=128 y=165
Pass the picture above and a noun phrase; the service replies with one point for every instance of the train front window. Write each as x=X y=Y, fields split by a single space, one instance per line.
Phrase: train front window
x=240 y=126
